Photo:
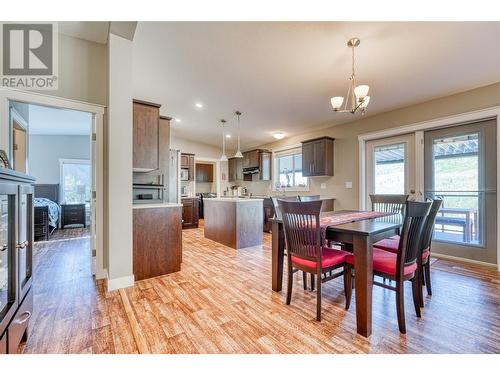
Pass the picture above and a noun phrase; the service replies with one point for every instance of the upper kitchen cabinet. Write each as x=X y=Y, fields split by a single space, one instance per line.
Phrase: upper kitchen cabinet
x=187 y=163
x=146 y=136
x=317 y=157
x=235 y=169
x=204 y=172
x=251 y=159
x=257 y=163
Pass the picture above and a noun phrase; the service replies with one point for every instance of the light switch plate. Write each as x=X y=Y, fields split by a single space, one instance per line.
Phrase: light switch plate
x=348 y=184
x=323 y=185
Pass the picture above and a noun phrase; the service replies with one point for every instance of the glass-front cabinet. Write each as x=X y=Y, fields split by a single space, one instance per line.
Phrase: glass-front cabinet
x=8 y=271
x=25 y=239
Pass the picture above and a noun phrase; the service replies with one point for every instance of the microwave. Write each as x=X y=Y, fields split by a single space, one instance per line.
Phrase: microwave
x=184 y=174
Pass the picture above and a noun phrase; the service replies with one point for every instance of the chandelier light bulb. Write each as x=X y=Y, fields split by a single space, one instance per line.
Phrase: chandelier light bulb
x=366 y=100
x=337 y=101
x=361 y=91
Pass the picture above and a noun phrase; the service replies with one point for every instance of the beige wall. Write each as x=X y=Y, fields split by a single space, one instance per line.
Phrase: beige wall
x=82 y=70
x=346 y=143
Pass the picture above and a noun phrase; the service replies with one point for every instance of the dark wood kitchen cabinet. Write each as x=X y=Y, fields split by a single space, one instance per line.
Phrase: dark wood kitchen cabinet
x=146 y=136
x=190 y=213
x=251 y=159
x=16 y=258
x=235 y=169
x=317 y=157
x=258 y=160
x=204 y=172
x=187 y=162
x=157 y=244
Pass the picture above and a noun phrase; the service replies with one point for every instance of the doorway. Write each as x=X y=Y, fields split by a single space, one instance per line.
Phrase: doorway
x=390 y=166
x=460 y=168
x=58 y=152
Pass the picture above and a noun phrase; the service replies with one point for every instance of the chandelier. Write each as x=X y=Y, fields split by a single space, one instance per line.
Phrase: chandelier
x=356 y=95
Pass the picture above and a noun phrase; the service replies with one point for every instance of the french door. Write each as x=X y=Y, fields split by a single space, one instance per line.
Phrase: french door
x=460 y=168
x=390 y=166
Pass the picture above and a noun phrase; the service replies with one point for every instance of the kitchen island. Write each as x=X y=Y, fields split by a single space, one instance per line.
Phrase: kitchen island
x=234 y=222
x=157 y=239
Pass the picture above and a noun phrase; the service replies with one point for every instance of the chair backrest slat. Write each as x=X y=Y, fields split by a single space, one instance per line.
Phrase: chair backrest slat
x=429 y=224
x=410 y=244
x=302 y=228
x=389 y=202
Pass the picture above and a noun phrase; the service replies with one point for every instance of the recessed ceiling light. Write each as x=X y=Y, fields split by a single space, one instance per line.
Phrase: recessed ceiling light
x=279 y=135
x=198 y=105
x=228 y=135
x=178 y=120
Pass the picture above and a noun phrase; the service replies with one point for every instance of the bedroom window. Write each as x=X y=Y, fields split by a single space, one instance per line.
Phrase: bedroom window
x=288 y=165
x=75 y=180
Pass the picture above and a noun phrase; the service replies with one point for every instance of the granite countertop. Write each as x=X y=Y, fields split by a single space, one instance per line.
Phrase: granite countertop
x=156 y=205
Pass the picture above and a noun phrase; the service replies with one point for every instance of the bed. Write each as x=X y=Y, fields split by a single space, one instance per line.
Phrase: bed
x=47 y=210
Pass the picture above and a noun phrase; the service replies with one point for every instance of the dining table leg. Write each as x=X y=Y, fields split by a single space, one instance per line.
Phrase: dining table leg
x=363 y=255
x=278 y=251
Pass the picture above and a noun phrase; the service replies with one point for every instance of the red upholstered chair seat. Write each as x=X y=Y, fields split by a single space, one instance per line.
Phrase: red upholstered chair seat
x=329 y=258
x=391 y=244
x=384 y=262
x=388 y=244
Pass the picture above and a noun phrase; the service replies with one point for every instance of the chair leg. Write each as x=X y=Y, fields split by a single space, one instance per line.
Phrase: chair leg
x=304 y=279
x=427 y=271
x=318 y=297
x=400 y=306
x=290 y=285
x=420 y=286
x=416 y=291
x=347 y=285
x=312 y=281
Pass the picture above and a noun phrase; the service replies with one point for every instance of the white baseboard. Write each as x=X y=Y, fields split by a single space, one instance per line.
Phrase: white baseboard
x=101 y=274
x=120 y=282
x=463 y=260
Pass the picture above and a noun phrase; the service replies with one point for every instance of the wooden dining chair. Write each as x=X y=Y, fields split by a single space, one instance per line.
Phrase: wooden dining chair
x=389 y=202
x=304 y=247
x=392 y=244
x=401 y=266
x=277 y=214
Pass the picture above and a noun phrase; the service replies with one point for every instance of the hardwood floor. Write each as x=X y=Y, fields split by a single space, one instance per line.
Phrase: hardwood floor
x=221 y=302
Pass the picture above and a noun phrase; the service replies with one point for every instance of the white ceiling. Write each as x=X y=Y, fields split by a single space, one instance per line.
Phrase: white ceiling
x=282 y=75
x=56 y=121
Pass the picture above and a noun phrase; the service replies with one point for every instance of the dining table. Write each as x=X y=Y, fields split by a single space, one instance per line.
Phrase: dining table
x=357 y=231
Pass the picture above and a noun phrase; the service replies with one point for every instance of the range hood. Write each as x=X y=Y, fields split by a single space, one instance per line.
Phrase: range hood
x=252 y=170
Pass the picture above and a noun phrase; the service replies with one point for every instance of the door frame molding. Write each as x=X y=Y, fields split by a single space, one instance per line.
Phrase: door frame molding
x=418 y=129
x=7 y=94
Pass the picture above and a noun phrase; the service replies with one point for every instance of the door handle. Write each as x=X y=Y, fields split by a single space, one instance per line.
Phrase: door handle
x=23 y=318
x=3 y=247
x=22 y=245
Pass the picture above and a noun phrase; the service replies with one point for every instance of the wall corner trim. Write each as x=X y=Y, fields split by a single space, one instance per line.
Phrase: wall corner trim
x=120 y=282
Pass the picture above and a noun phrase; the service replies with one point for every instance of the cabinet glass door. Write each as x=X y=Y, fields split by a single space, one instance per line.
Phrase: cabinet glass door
x=25 y=239
x=7 y=253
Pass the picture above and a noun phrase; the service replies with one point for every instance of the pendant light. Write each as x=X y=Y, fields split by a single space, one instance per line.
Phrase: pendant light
x=357 y=95
x=238 y=153
x=223 y=157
